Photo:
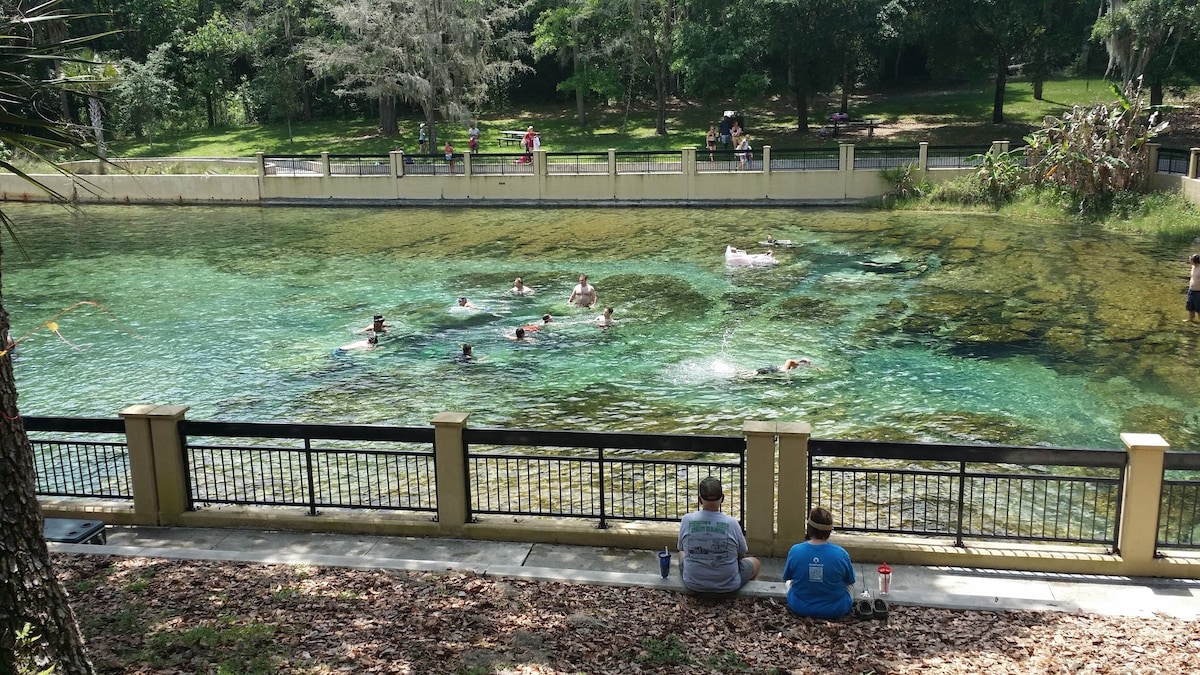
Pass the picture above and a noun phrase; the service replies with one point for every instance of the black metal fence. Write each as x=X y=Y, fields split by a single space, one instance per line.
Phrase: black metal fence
x=976 y=492
x=433 y=165
x=642 y=477
x=360 y=165
x=360 y=467
x=1179 y=510
x=806 y=159
x=886 y=157
x=1174 y=160
x=294 y=165
x=503 y=164
x=96 y=466
x=576 y=163
x=955 y=156
x=655 y=161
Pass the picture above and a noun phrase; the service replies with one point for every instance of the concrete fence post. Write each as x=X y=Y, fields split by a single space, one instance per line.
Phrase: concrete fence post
x=261 y=161
x=1194 y=164
x=1152 y=158
x=760 y=485
x=169 y=470
x=923 y=156
x=453 y=501
x=1138 y=537
x=325 y=170
x=688 y=157
x=466 y=160
x=766 y=159
x=396 y=163
x=793 y=484
x=141 y=462
x=612 y=161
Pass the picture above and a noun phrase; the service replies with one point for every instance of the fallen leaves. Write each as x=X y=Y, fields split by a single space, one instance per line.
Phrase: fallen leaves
x=157 y=616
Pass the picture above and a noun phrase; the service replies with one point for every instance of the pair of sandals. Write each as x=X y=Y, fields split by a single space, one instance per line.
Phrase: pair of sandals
x=866 y=608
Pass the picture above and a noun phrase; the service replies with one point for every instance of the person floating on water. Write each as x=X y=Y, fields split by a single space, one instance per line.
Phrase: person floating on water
x=359 y=345
x=378 y=325
x=519 y=288
x=788 y=365
x=535 y=327
x=584 y=294
x=605 y=320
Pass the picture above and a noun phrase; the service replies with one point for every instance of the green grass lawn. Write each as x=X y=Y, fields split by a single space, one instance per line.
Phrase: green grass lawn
x=959 y=116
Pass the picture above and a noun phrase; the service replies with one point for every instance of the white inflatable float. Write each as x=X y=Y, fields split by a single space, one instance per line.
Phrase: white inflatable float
x=736 y=256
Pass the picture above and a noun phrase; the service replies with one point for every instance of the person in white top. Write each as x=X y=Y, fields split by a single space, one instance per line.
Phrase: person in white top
x=584 y=294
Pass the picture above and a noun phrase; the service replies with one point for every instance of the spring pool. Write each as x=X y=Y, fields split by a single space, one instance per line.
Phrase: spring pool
x=946 y=327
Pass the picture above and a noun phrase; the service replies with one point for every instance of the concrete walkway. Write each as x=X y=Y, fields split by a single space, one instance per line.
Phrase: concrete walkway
x=952 y=588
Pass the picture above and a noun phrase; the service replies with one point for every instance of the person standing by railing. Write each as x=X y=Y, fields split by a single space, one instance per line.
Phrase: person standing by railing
x=712 y=548
x=818 y=574
x=473 y=137
x=710 y=140
x=449 y=150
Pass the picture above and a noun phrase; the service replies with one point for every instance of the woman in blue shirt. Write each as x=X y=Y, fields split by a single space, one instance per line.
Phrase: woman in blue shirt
x=820 y=573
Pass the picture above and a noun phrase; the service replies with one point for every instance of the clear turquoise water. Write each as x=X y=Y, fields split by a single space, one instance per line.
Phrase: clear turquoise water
x=933 y=327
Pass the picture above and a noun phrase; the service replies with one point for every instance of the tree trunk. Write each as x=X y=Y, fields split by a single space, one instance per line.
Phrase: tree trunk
x=1038 y=86
x=210 y=108
x=845 y=85
x=580 y=111
x=30 y=593
x=388 y=125
x=1156 y=92
x=660 y=115
x=1001 y=82
x=801 y=109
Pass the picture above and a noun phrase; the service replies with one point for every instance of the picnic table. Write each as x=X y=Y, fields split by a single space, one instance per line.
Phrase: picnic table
x=510 y=138
x=68 y=531
x=868 y=123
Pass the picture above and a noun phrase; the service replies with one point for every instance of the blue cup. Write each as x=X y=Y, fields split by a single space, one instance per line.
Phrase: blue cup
x=664 y=563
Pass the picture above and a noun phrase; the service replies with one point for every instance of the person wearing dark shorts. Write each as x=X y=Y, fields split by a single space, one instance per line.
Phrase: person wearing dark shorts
x=1193 y=295
x=712 y=548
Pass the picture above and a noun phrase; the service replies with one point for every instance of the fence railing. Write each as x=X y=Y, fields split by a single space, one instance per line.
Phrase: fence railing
x=576 y=163
x=1179 y=510
x=285 y=165
x=655 y=161
x=636 y=477
x=360 y=467
x=955 y=156
x=502 y=164
x=433 y=165
x=886 y=157
x=96 y=466
x=1173 y=160
x=976 y=492
x=360 y=165
x=806 y=159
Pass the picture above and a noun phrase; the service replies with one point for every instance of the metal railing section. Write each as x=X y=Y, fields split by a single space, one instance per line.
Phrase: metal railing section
x=602 y=476
x=80 y=467
x=806 y=159
x=359 y=467
x=294 y=165
x=1179 y=510
x=576 y=163
x=955 y=156
x=977 y=492
x=654 y=161
x=885 y=157
x=434 y=165
x=360 y=165
x=1174 y=160
x=504 y=164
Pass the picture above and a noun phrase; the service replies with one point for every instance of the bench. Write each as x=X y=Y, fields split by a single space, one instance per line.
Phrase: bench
x=868 y=123
x=67 y=531
x=510 y=138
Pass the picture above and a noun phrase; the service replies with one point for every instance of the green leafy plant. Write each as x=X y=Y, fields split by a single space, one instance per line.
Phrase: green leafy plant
x=25 y=661
x=668 y=651
x=904 y=182
x=998 y=176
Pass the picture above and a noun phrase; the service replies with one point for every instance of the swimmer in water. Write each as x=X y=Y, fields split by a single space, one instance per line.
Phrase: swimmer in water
x=584 y=294
x=534 y=327
x=605 y=320
x=788 y=365
x=466 y=356
x=519 y=288
x=359 y=345
x=520 y=335
x=464 y=302
x=378 y=325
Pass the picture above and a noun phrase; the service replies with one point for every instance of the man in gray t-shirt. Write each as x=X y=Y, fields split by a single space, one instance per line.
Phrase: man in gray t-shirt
x=712 y=548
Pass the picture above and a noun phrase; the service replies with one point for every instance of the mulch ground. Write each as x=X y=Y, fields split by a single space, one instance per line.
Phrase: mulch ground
x=143 y=615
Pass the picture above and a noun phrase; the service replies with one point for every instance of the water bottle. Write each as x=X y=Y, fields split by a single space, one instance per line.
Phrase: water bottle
x=885 y=579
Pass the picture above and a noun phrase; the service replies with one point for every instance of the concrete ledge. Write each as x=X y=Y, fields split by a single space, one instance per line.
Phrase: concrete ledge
x=111 y=512
x=338 y=522
x=648 y=536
